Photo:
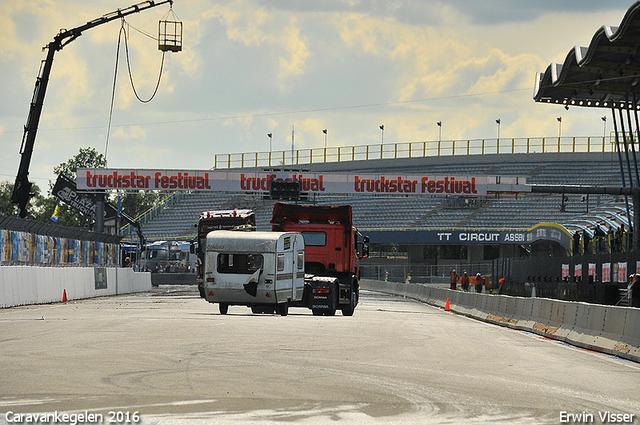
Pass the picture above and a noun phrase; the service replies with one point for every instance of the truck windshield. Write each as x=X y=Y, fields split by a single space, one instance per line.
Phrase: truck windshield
x=315 y=238
x=239 y=263
x=153 y=254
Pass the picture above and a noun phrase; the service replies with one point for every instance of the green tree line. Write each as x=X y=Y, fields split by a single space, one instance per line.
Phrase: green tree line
x=42 y=207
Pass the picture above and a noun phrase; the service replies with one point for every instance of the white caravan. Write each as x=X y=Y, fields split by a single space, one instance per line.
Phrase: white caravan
x=261 y=270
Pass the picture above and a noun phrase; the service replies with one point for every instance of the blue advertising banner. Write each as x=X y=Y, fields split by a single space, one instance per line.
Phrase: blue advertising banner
x=540 y=232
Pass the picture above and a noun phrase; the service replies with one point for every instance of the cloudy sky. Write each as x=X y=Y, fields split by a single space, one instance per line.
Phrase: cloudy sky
x=249 y=68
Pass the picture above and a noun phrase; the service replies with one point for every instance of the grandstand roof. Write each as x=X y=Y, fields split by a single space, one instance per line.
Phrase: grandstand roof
x=604 y=74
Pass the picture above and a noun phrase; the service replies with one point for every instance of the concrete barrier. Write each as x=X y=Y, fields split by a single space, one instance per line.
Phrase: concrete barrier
x=23 y=285
x=610 y=336
x=476 y=301
x=439 y=296
x=521 y=305
x=581 y=335
x=531 y=314
x=510 y=304
x=173 y=279
x=629 y=345
x=608 y=329
x=505 y=314
x=549 y=318
x=490 y=304
x=463 y=306
x=567 y=322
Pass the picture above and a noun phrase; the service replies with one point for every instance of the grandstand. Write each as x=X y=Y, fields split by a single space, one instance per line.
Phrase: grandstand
x=517 y=211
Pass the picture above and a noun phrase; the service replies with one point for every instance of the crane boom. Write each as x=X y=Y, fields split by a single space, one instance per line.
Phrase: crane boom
x=22 y=187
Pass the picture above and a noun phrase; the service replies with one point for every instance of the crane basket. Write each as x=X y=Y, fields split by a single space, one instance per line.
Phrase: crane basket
x=170 y=33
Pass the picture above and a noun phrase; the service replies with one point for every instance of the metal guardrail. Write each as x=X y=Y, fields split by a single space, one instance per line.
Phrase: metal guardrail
x=416 y=150
x=421 y=273
x=54 y=230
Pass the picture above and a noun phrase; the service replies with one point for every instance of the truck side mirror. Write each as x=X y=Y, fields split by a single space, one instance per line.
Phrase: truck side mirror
x=192 y=248
x=365 y=247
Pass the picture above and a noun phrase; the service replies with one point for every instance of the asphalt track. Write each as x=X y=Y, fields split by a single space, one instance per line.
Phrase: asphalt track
x=171 y=358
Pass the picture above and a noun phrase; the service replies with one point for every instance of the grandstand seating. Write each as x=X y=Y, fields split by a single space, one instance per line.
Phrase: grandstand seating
x=384 y=212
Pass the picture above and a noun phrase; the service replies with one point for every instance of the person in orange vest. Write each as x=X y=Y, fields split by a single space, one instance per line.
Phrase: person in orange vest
x=454 y=280
x=464 y=282
x=479 y=283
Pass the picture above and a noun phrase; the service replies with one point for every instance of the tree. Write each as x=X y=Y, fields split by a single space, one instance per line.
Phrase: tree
x=8 y=208
x=86 y=158
x=67 y=216
x=135 y=204
x=42 y=208
x=132 y=203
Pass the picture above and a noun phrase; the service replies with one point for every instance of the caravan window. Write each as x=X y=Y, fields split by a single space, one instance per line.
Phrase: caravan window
x=239 y=263
x=300 y=260
x=280 y=262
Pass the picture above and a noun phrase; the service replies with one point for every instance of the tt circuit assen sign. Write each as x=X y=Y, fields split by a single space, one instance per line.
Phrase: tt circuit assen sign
x=541 y=232
x=335 y=183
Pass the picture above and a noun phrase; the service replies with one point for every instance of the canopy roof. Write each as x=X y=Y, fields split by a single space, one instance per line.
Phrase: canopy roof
x=604 y=75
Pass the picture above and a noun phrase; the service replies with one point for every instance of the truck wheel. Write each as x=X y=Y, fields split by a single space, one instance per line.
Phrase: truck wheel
x=224 y=308
x=283 y=309
x=201 y=290
x=348 y=311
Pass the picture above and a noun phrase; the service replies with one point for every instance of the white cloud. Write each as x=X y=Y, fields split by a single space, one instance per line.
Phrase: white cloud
x=135 y=133
x=295 y=47
x=250 y=68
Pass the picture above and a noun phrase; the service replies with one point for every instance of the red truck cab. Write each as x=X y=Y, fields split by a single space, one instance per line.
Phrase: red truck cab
x=332 y=249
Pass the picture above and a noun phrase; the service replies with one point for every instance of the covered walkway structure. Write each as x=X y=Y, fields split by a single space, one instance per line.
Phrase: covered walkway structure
x=604 y=75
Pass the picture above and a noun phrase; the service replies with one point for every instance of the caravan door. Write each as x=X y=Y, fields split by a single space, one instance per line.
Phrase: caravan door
x=298 y=268
x=289 y=270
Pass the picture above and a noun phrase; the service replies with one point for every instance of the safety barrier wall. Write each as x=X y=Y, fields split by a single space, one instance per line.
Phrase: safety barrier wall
x=608 y=329
x=23 y=285
x=29 y=248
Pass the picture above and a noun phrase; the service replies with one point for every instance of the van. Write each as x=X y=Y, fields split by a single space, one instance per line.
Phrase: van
x=261 y=270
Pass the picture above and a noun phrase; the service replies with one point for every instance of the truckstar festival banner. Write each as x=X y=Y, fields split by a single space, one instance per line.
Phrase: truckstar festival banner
x=92 y=179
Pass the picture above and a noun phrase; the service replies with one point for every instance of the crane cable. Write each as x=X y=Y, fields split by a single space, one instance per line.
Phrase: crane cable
x=115 y=77
x=113 y=92
x=126 y=47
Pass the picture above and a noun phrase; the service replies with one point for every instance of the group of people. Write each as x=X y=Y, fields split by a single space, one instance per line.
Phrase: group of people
x=633 y=290
x=465 y=281
x=171 y=268
x=612 y=241
x=617 y=241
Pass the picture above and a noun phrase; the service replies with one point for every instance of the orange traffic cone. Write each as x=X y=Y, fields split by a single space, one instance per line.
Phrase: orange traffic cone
x=446 y=307
x=64 y=295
